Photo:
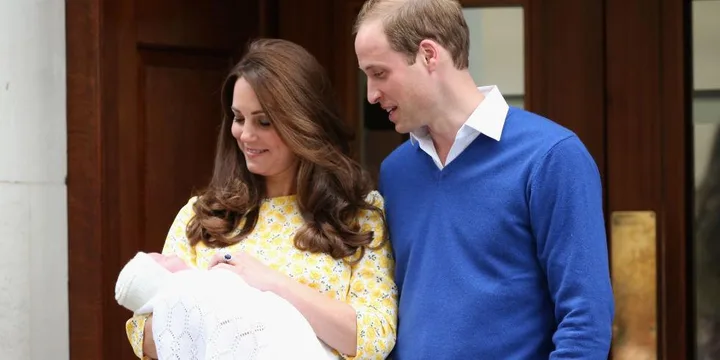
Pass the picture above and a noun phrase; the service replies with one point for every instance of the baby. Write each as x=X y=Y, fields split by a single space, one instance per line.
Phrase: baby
x=213 y=314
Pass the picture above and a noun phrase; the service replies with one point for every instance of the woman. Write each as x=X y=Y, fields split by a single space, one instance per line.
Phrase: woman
x=288 y=209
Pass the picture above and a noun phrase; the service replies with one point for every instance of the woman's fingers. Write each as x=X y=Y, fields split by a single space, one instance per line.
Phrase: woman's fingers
x=221 y=258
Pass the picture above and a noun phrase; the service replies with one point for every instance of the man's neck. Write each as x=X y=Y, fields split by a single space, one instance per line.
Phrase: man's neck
x=457 y=106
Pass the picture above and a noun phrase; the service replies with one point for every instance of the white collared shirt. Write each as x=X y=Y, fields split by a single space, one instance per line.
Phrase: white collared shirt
x=488 y=119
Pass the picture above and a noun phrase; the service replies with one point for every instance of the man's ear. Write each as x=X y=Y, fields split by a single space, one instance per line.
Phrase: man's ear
x=429 y=53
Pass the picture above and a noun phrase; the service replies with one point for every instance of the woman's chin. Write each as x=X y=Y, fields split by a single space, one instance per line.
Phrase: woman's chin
x=256 y=169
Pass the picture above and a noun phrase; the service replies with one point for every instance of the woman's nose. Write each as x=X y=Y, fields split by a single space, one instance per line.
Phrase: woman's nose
x=247 y=133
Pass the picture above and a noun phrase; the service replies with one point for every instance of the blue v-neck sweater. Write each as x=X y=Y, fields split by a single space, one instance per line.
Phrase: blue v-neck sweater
x=502 y=254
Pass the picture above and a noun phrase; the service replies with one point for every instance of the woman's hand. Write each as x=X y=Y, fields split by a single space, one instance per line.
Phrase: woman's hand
x=148 y=340
x=255 y=273
x=333 y=321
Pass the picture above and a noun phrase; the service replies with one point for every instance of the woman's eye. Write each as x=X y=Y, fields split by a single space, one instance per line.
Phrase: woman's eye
x=264 y=122
x=238 y=120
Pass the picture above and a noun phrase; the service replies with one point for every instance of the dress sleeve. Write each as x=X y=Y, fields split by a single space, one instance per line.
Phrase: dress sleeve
x=176 y=243
x=373 y=293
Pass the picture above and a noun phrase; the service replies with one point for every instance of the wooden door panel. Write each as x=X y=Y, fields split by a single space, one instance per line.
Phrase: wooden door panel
x=181 y=115
x=216 y=24
x=309 y=24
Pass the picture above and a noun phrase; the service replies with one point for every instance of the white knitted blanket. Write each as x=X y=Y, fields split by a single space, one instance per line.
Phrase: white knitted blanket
x=215 y=314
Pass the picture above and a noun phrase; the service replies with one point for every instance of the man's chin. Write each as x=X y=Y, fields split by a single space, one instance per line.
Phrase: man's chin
x=399 y=128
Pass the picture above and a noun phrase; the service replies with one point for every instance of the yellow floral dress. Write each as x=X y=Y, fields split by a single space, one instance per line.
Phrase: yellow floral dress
x=368 y=286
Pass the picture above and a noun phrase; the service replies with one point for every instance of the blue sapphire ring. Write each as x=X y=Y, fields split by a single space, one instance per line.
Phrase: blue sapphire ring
x=227 y=258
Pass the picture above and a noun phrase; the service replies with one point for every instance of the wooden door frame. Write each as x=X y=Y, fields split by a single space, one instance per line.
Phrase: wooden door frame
x=90 y=38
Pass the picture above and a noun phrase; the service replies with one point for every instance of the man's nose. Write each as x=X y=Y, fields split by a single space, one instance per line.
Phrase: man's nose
x=373 y=95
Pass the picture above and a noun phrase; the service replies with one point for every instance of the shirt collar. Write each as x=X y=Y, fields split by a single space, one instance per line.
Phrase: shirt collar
x=488 y=118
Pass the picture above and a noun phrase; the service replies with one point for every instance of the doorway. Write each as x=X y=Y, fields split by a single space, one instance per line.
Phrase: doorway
x=143 y=108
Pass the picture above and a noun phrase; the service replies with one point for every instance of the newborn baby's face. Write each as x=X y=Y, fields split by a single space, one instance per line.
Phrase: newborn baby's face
x=172 y=263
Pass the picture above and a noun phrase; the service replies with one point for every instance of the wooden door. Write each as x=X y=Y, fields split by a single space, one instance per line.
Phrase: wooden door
x=144 y=79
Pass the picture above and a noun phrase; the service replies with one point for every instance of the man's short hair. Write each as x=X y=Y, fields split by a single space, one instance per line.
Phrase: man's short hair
x=407 y=22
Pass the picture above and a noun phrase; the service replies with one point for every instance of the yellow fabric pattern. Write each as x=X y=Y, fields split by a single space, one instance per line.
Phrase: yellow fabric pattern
x=368 y=285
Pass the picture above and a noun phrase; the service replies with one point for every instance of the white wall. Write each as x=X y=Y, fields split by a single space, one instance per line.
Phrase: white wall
x=706 y=52
x=33 y=163
x=497 y=54
x=706 y=76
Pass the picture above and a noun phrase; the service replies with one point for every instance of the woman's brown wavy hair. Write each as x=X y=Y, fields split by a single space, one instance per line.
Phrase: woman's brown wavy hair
x=296 y=95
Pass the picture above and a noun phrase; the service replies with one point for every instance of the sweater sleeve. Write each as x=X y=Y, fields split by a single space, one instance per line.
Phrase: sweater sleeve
x=373 y=293
x=176 y=243
x=565 y=199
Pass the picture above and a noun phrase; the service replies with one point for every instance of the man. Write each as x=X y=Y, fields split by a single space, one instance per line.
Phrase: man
x=495 y=213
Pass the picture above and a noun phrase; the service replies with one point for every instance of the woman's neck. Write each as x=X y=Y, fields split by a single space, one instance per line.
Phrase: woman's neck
x=282 y=184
